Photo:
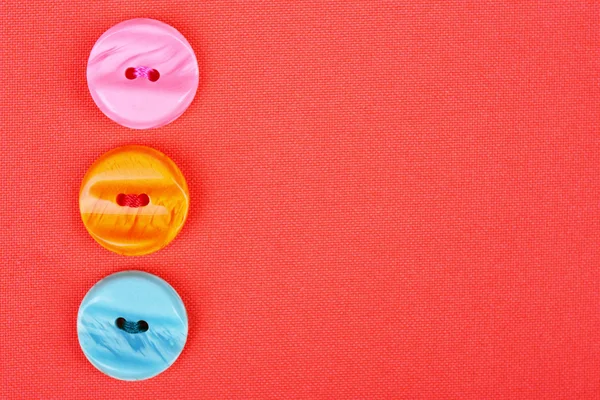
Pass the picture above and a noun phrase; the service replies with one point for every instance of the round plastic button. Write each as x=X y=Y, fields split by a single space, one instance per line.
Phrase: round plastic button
x=142 y=73
x=132 y=325
x=134 y=200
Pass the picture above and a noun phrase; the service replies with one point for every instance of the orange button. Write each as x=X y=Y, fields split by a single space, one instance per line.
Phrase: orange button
x=134 y=200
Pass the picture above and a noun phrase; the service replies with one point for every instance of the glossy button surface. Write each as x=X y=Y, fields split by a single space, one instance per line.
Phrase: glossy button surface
x=134 y=200
x=142 y=73
x=132 y=325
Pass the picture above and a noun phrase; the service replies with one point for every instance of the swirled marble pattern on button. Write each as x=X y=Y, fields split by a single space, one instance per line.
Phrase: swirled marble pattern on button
x=134 y=296
x=141 y=98
x=134 y=200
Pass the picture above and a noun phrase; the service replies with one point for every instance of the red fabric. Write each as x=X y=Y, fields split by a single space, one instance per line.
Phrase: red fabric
x=388 y=201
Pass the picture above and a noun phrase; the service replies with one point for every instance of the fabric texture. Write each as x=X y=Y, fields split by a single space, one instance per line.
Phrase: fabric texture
x=389 y=200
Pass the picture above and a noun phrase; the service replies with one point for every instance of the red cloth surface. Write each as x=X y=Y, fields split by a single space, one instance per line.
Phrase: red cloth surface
x=388 y=200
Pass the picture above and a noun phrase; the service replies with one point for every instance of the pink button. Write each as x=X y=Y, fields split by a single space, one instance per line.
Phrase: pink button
x=142 y=73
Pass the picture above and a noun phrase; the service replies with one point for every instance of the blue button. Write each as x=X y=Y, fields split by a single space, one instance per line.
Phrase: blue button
x=132 y=325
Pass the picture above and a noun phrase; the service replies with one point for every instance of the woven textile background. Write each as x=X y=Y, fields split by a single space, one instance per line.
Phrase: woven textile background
x=389 y=201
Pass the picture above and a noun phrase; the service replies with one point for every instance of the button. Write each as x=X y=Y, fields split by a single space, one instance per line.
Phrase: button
x=132 y=325
x=134 y=200
x=142 y=73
